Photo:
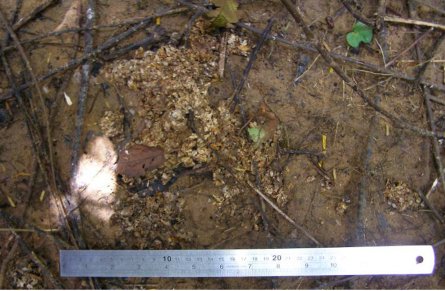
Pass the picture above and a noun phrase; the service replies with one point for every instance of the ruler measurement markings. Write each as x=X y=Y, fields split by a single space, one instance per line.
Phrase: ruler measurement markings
x=232 y=263
x=138 y=260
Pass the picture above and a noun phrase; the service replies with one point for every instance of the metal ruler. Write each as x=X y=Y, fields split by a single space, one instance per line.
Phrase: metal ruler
x=385 y=260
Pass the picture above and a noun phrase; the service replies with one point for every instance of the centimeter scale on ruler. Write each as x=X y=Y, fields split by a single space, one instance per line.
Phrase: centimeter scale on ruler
x=383 y=260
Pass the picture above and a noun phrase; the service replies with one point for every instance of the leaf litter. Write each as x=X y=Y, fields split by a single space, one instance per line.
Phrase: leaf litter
x=174 y=109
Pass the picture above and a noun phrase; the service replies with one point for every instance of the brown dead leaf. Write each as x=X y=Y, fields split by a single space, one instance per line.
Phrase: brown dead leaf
x=137 y=159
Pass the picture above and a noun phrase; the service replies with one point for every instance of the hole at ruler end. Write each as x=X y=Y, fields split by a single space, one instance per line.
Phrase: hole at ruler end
x=419 y=260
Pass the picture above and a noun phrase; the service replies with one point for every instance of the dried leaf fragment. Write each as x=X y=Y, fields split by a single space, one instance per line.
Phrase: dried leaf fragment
x=137 y=159
x=226 y=13
x=256 y=134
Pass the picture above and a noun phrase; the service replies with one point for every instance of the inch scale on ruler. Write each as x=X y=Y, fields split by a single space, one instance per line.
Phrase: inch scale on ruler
x=384 y=260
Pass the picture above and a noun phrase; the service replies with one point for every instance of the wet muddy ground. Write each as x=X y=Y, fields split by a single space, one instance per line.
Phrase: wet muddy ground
x=170 y=160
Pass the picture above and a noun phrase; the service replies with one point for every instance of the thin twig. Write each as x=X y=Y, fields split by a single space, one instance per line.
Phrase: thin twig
x=281 y=212
x=59 y=96
x=150 y=40
x=307 y=70
x=84 y=86
x=39 y=9
x=8 y=71
x=218 y=244
x=430 y=115
x=357 y=15
x=32 y=180
x=252 y=58
x=126 y=122
x=39 y=93
x=50 y=178
x=431 y=207
x=18 y=7
x=14 y=222
x=35 y=133
x=2 y=229
x=437 y=100
x=27 y=249
x=42 y=266
x=432 y=188
x=5 y=262
x=261 y=206
x=429 y=55
x=235 y=96
x=429 y=112
x=364 y=181
x=412 y=13
x=382 y=30
x=307 y=46
x=395 y=19
x=74 y=215
x=193 y=6
x=96 y=27
x=186 y=35
x=140 y=19
x=302 y=152
x=109 y=43
x=415 y=42
x=436 y=146
x=326 y=55
x=58 y=44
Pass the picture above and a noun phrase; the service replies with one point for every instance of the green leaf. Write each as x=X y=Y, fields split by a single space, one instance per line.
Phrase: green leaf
x=364 y=30
x=225 y=14
x=360 y=33
x=256 y=134
x=353 y=39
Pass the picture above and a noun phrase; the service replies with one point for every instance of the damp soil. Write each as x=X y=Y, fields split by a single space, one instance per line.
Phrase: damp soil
x=169 y=160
